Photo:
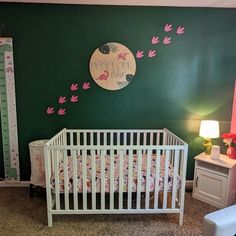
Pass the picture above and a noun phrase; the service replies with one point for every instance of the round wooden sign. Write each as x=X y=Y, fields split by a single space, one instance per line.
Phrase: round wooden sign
x=112 y=66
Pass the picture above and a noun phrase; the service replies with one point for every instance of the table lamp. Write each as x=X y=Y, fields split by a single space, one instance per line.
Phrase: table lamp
x=209 y=129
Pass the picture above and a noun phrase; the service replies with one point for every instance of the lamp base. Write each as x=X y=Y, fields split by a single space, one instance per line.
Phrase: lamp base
x=207 y=144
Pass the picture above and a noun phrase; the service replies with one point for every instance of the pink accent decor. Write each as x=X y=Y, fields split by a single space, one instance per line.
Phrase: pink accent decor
x=155 y=39
x=152 y=53
x=104 y=75
x=233 y=119
x=50 y=110
x=180 y=30
x=86 y=85
x=122 y=56
x=168 y=27
x=74 y=87
x=62 y=100
x=61 y=111
x=139 y=54
x=74 y=98
x=167 y=40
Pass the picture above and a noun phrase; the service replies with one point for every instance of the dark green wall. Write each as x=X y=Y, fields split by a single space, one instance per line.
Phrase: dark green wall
x=189 y=80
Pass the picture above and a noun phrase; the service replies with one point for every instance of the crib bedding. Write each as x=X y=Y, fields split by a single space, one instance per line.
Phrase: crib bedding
x=152 y=177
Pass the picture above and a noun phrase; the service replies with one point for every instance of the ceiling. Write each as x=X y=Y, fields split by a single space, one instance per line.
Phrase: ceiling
x=176 y=3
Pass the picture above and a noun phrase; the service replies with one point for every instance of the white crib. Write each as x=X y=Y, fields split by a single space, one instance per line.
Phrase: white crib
x=115 y=172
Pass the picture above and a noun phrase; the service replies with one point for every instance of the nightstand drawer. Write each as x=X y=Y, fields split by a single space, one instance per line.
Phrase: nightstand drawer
x=214 y=168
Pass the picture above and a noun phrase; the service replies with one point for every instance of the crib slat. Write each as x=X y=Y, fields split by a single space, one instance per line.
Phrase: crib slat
x=174 y=188
x=112 y=180
x=139 y=179
x=84 y=166
x=85 y=138
x=105 y=138
x=130 y=179
x=78 y=139
x=148 y=179
x=125 y=138
x=93 y=180
x=75 y=180
x=118 y=138
x=151 y=138
x=71 y=138
x=98 y=138
x=103 y=176
x=65 y=167
x=166 y=178
x=131 y=139
x=121 y=182
x=111 y=138
x=91 y=138
x=57 y=184
x=157 y=176
x=158 y=138
x=138 y=138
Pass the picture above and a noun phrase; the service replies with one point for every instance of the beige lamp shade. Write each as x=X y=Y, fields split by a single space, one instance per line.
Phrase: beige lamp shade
x=209 y=129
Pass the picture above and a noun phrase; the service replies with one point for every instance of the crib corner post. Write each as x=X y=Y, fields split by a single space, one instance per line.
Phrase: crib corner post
x=49 y=219
x=181 y=218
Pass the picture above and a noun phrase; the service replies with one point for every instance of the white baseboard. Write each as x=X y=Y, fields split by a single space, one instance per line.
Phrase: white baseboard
x=14 y=184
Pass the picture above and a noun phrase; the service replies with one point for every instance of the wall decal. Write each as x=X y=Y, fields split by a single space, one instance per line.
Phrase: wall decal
x=50 y=110
x=62 y=100
x=139 y=54
x=74 y=87
x=168 y=28
x=155 y=39
x=152 y=53
x=166 y=40
x=61 y=111
x=112 y=66
x=86 y=86
x=180 y=30
x=74 y=98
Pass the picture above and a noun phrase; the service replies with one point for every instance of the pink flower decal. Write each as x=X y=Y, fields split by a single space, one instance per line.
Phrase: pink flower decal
x=50 y=110
x=74 y=87
x=168 y=27
x=74 y=98
x=152 y=53
x=62 y=112
x=62 y=99
x=155 y=39
x=167 y=40
x=180 y=30
x=139 y=54
x=86 y=85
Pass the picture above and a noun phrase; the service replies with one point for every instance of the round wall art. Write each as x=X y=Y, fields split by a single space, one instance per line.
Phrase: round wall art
x=112 y=66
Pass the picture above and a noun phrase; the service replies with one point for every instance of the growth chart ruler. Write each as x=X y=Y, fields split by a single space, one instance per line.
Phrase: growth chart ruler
x=8 y=111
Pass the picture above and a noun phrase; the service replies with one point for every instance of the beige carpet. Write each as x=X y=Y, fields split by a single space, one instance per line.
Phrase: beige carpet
x=22 y=215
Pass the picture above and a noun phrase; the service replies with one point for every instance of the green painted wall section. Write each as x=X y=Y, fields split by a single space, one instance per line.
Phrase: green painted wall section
x=189 y=80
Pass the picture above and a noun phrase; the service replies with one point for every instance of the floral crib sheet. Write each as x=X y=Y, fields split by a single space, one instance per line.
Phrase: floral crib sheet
x=116 y=174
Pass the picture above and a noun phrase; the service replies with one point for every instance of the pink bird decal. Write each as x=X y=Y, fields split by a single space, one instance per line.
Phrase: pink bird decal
x=180 y=30
x=122 y=56
x=139 y=54
x=155 y=39
x=152 y=53
x=62 y=112
x=62 y=99
x=86 y=85
x=50 y=110
x=74 y=87
x=168 y=27
x=167 y=40
x=104 y=75
x=74 y=98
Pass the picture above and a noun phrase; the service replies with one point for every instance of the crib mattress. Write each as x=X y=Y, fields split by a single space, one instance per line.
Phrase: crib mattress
x=116 y=174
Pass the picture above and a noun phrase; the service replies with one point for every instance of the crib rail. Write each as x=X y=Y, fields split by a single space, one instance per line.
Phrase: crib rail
x=145 y=196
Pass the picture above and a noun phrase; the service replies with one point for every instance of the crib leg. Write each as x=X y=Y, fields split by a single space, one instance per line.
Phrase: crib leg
x=49 y=219
x=181 y=218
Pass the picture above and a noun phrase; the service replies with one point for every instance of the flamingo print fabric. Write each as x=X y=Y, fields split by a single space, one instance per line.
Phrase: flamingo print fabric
x=116 y=174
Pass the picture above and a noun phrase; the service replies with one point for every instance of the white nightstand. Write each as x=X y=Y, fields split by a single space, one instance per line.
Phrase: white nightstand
x=215 y=180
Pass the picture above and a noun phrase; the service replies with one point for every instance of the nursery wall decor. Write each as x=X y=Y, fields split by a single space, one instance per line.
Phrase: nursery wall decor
x=8 y=111
x=112 y=66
